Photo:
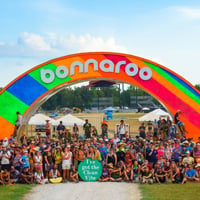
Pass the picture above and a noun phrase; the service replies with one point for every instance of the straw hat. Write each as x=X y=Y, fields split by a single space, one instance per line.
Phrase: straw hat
x=198 y=165
x=110 y=165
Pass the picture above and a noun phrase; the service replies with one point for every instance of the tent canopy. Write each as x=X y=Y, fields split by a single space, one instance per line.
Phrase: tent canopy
x=156 y=114
x=40 y=119
x=109 y=109
x=69 y=120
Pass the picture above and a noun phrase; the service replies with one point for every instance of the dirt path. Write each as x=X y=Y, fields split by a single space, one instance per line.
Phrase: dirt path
x=85 y=191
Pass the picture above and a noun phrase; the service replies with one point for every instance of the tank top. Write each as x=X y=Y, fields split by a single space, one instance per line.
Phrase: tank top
x=111 y=159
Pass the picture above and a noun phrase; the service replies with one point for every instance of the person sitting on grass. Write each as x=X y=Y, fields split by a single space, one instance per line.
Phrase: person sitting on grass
x=38 y=175
x=14 y=175
x=74 y=175
x=1 y=177
x=167 y=169
x=190 y=175
x=54 y=175
x=116 y=174
x=147 y=176
x=26 y=176
x=128 y=172
x=175 y=173
x=161 y=176
x=136 y=171
x=6 y=177
x=105 y=176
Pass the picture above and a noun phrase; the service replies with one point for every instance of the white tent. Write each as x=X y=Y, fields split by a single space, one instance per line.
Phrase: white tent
x=110 y=109
x=155 y=115
x=40 y=119
x=69 y=120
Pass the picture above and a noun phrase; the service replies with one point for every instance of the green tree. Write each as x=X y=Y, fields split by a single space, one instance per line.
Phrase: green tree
x=197 y=86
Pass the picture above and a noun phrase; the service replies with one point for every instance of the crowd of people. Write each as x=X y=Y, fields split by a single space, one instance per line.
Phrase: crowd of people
x=158 y=154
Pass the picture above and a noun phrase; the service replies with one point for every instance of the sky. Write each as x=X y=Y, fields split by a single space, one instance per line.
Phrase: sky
x=165 y=31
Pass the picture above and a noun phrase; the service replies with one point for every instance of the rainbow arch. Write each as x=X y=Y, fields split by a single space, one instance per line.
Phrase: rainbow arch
x=28 y=91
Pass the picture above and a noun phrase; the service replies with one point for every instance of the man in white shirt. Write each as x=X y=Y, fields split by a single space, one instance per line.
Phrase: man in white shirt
x=116 y=140
x=122 y=130
x=5 y=158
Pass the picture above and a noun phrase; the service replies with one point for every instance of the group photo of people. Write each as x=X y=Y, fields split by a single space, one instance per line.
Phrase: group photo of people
x=157 y=154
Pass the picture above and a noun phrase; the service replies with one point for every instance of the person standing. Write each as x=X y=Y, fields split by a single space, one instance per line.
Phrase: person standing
x=122 y=130
x=179 y=123
x=48 y=129
x=18 y=123
x=87 y=128
x=104 y=128
x=76 y=131
x=60 y=129
x=66 y=163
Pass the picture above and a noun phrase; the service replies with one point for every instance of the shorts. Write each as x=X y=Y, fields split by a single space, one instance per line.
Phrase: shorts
x=48 y=132
x=179 y=123
x=66 y=166
x=48 y=168
x=5 y=166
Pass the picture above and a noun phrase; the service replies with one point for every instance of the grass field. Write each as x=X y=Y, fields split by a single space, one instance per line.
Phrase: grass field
x=96 y=119
x=188 y=191
x=16 y=192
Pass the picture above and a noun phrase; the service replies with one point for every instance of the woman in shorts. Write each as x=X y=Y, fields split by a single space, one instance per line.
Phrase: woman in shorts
x=66 y=163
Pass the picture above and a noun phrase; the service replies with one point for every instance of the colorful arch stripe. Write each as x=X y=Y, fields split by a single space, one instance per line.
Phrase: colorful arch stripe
x=28 y=90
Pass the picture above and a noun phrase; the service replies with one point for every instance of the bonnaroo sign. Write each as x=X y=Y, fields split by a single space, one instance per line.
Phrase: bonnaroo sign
x=28 y=91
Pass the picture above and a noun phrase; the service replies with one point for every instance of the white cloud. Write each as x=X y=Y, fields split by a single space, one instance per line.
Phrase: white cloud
x=34 y=45
x=87 y=43
x=190 y=13
x=33 y=41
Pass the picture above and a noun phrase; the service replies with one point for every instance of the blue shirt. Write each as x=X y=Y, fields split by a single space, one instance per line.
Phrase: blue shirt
x=25 y=161
x=191 y=173
x=103 y=152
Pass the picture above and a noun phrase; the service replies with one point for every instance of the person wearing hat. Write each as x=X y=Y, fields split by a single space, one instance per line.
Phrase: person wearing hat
x=57 y=155
x=198 y=169
x=25 y=160
x=60 y=130
x=188 y=159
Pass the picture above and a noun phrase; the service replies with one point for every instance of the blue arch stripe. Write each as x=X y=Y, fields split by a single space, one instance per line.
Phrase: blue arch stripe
x=21 y=89
x=184 y=84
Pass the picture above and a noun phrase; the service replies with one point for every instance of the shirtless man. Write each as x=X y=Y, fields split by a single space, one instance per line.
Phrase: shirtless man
x=48 y=129
x=80 y=156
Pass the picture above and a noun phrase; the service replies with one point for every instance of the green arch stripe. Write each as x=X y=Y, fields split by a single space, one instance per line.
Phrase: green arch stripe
x=173 y=82
x=57 y=81
x=8 y=100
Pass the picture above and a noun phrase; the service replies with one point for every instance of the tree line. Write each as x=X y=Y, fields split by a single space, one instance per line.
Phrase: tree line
x=82 y=97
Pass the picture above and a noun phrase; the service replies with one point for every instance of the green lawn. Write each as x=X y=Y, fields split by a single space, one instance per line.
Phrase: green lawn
x=188 y=191
x=14 y=192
